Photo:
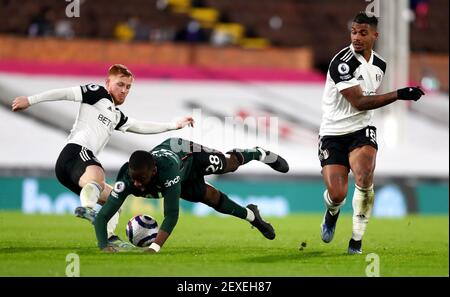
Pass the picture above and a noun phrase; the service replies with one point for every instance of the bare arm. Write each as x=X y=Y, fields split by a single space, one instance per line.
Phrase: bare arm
x=355 y=96
x=23 y=102
x=161 y=237
x=158 y=243
x=171 y=196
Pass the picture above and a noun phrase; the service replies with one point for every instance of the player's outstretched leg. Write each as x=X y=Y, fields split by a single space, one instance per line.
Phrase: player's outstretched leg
x=89 y=196
x=223 y=204
x=275 y=161
x=264 y=227
x=92 y=184
x=86 y=213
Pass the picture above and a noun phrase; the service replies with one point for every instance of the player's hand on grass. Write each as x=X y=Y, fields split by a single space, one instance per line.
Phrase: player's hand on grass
x=153 y=248
x=20 y=103
x=410 y=93
x=185 y=122
x=149 y=251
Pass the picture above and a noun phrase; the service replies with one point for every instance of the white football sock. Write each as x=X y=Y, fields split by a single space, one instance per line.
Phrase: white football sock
x=333 y=207
x=89 y=194
x=362 y=203
x=112 y=224
x=250 y=215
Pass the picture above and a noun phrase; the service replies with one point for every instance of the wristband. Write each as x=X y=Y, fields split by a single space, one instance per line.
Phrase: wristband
x=173 y=126
x=31 y=100
x=155 y=247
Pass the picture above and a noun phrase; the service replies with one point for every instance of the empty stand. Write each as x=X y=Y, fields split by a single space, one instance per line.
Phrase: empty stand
x=319 y=24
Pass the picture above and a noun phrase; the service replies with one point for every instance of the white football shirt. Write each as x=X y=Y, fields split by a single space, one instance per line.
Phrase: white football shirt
x=97 y=118
x=348 y=69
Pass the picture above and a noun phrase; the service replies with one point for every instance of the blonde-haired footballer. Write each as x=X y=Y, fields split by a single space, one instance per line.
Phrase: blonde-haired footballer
x=77 y=167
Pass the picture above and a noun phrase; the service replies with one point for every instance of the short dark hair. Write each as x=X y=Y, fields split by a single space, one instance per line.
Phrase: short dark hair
x=364 y=17
x=141 y=160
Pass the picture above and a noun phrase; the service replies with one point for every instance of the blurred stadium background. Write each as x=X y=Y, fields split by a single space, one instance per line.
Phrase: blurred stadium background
x=219 y=59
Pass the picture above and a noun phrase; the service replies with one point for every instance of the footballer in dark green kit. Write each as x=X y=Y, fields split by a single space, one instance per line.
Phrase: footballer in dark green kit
x=175 y=169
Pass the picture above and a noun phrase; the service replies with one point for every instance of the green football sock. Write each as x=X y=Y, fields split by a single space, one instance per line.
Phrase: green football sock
x=229 y=207
x=247 y=155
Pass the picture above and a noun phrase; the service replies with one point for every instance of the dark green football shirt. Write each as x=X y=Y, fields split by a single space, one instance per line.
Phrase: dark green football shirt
x=173 y=166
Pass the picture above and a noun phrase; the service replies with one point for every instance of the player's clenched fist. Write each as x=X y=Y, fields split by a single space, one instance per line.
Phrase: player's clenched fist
x=20 y=103
x=185 y=122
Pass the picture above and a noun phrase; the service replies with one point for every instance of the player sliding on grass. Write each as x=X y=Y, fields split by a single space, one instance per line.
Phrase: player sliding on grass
x=347 y=137
x=77 y=167
x=176 y=169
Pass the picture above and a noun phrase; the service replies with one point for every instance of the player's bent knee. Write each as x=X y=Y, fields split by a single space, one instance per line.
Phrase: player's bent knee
x=337 y=195
x=214 y=201
x=231 y=166
x=86 y=180
x=212 y=197
x=93 y=174
x=94 y=170
x=234 y=160
x=219 y=201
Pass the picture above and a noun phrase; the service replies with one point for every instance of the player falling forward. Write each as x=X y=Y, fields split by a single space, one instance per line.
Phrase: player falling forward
x=77 y=167
x=176 y=168
x=347 y=136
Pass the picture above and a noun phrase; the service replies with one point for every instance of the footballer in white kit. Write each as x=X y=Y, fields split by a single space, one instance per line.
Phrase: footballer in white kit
x=347 y=137
x=340 y=120
x=77 y=167
x=97 y=118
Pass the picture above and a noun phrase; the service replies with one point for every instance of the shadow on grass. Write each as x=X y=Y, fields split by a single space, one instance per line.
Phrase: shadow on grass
x=292 y=256
x=31 y=249
x=251 y=256
x=285 y=257
x=69 y=249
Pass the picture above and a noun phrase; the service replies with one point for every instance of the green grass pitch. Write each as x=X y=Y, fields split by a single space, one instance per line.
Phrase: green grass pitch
x=37 y=245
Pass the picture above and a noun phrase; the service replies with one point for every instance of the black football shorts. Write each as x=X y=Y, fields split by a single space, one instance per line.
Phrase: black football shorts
x=205 y=161
x=336 y=149
x=71 y=165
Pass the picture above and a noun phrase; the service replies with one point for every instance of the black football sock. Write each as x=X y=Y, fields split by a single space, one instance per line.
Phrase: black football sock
x=229 y=207
x=246 y=155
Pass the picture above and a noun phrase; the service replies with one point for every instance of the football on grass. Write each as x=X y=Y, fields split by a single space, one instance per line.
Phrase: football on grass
x=141 y=230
